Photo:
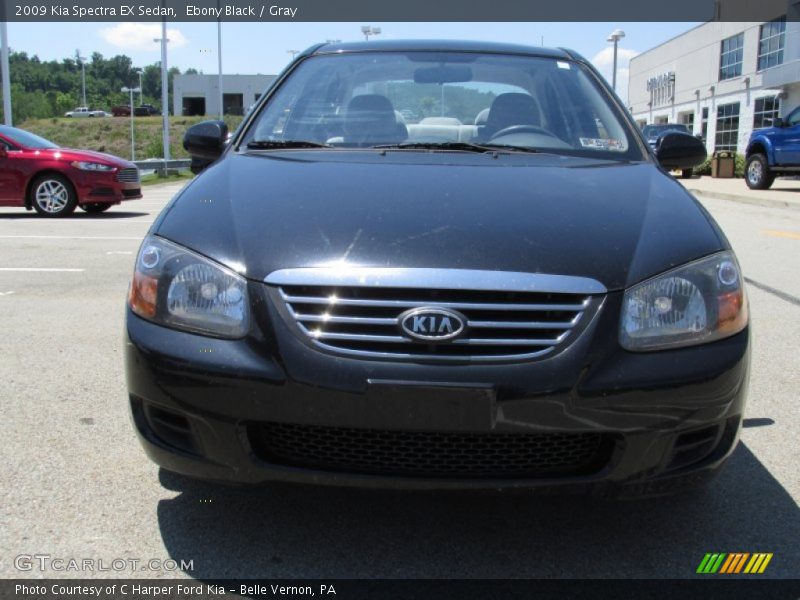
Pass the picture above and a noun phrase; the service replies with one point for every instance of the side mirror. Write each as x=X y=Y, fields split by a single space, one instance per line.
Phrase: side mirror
x=206 y=139
x=679 y=151
x=3 y=151
x=778 y=122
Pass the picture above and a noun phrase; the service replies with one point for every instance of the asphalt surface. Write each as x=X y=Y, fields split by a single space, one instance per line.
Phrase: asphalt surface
x=75 y=483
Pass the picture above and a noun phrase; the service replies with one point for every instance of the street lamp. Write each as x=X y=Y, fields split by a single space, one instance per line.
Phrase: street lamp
x=6 y=76
x=83 y=74
x=132 y=91
x=221 y=98
x=293 y=53
x=369 y=30
x=164 y=93
x=141 y=87
x=615 y=37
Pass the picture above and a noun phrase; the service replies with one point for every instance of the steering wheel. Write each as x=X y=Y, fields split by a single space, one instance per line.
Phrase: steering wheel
x=520 y=129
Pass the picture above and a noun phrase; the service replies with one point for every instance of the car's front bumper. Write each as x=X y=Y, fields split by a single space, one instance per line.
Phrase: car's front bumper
x=104 y=188
x=201 y=406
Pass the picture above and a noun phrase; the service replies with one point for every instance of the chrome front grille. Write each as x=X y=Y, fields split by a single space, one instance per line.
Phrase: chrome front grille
x=509 y=316
x=128 y=175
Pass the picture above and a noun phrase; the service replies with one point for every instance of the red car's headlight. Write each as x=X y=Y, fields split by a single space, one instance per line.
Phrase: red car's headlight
x=92 y=166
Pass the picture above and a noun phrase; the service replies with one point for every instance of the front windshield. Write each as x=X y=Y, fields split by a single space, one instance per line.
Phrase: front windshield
x=27 y=139
x=370 y=99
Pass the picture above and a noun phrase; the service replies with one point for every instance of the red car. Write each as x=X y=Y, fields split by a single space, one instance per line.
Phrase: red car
x=36 y=173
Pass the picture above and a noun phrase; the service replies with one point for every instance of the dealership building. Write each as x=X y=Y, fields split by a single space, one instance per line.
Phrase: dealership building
x=199 y=94
x=722 y=80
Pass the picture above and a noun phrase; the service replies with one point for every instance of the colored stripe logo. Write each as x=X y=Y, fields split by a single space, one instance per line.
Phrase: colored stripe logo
x=734 y=562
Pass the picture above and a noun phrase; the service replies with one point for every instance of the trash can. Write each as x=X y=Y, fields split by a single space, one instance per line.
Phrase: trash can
x=723 y=164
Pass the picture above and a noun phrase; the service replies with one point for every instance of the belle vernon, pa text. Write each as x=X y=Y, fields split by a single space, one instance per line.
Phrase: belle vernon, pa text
x=134 y=10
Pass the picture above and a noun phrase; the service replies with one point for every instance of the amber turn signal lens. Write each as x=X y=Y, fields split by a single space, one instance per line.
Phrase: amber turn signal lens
x=143 y=294
x=732 y=311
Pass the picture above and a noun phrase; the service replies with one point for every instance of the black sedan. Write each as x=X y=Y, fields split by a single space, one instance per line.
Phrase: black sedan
x=438 y=265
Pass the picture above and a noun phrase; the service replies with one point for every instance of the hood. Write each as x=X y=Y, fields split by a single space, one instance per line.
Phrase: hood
x=91 y=155
x=615 y=222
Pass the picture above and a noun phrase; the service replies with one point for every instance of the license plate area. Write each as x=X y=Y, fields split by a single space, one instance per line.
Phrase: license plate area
x=430 y=406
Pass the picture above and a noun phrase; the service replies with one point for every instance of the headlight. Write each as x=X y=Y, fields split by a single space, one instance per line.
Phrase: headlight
x=175 y=287
x=90 y=166
x=700 y=302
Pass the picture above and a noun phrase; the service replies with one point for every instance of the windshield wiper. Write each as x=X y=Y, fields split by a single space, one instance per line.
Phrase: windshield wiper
x=283 y=144
x=464 y=146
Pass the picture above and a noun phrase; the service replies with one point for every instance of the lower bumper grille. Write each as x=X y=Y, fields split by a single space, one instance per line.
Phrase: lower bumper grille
x=134 y=193
x=431 y=454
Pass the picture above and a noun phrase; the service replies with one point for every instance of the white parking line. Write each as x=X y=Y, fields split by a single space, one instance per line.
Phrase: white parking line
x=66 y=237
x=41 y=270
x=6 y=293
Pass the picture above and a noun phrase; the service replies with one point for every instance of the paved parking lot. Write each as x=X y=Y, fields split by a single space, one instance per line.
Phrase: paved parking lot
x=75 y=483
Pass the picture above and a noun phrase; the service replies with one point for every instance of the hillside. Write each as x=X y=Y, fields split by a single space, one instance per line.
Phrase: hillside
x=113 y=134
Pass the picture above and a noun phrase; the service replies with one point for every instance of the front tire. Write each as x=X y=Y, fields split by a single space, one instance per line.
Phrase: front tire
x=757 y=174
x=687 y=173
x=96 y=208
x=53 y=196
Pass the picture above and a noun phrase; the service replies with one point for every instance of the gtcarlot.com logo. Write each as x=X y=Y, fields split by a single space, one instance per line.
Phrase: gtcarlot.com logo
x=47 y=562
x=723 y=563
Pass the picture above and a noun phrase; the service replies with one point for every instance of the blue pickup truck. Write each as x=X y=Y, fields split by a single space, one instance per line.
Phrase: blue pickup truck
x=773 y=151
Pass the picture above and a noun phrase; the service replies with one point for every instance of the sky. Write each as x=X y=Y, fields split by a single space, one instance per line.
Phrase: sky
x=249 y=48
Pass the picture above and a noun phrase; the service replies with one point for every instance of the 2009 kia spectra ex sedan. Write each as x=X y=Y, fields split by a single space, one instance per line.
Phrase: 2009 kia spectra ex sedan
x=437 y=265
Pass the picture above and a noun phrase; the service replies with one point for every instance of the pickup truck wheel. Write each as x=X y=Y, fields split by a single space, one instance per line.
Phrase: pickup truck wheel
x=757 y=173
x=53 y=196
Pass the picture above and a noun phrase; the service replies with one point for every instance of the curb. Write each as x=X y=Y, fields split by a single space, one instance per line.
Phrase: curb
x=765 y=202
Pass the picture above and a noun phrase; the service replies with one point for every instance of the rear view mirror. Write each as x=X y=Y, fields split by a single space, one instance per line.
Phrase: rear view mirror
x=443 y=74
x=679 y=151
x=206 y=139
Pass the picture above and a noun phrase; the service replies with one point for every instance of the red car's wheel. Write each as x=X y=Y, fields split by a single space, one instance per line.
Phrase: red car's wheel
x=52 y=195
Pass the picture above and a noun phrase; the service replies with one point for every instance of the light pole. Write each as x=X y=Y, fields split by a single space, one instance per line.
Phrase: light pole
x=6 y=75
x=141 y=87
x=131 y=91
x=219 y=69
x=164 y=93
x=615 y=37
x=83 y=74
x=293 y=53
x=369 y=30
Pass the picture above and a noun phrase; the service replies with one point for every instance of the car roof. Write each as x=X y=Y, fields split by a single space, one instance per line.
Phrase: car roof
x=441 y=45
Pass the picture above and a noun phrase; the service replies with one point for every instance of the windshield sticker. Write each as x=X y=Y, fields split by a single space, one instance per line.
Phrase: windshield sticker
x=603 y=144
x=562 y=65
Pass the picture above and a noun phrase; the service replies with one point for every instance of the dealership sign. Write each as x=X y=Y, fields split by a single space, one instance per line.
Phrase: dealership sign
x=661 y=81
